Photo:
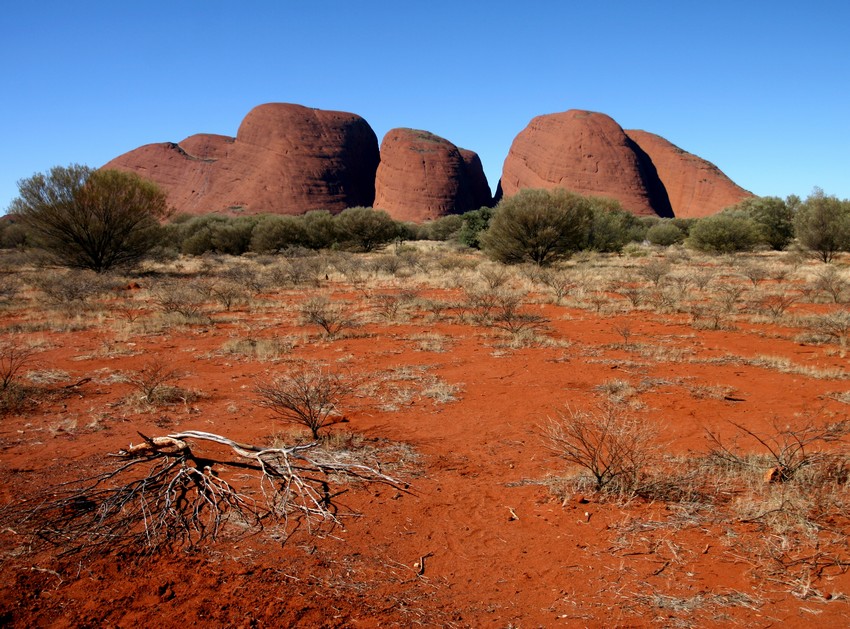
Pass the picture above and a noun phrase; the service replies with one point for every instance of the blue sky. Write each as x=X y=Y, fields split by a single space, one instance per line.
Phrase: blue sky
x=762 y=89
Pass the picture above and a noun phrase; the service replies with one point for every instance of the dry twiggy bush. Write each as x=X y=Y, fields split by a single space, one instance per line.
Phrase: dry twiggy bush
x=614 y=446
x=788 y=449
x=834 y=325
x=332 y=317
x=176 y=296
x=155 y=381
x=14 y=356
x=309 y=396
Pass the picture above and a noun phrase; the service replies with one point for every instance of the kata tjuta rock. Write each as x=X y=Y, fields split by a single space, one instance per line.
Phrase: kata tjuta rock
x=285 y=159
x=696 y=187
x=582 y=151
x=423 y=177
x=589 y=153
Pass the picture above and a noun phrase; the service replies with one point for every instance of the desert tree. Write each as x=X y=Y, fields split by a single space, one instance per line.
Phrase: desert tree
x=92 y=219
x=822 y=224
x=773 y=216
x=475 y=223
x=539 y=226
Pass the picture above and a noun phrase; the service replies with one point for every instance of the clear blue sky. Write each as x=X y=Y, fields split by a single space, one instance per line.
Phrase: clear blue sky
x=762 y=89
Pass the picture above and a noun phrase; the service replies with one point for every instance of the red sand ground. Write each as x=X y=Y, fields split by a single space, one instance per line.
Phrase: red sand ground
x=500 y=548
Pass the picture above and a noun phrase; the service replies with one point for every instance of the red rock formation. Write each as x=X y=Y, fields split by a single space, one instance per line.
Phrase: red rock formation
x=285 y=159
x=423 y=177
x=695 y=187
x=583 y=151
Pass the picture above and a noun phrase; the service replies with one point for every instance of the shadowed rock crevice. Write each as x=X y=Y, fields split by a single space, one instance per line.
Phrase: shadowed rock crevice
x=658 y=197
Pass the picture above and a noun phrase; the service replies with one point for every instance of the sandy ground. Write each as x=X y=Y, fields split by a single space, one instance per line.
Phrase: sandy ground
x=494 y=530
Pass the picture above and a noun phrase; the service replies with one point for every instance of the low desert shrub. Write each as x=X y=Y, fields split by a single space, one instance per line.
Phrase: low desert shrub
x=665 y=234
x=724 y=233
x=156 y=382
x=14 y=357
x=308 y=396
x=610 y=443
x=332 y=317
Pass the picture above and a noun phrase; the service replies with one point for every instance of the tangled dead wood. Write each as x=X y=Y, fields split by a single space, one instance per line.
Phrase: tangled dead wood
x=164 y=493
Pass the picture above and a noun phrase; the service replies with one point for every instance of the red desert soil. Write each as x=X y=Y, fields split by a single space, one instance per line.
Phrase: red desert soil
x=500 y=548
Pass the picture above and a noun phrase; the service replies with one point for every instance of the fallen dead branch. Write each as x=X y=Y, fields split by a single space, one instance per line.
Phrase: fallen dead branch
x=164 y=492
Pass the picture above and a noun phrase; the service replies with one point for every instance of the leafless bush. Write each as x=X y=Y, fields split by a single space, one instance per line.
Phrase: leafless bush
x=661 y=300
x=834 y=325
x=162 y=495
x=789 y=448
x=155 y=380
x=655 y=270
x=180 y=298
x=72 y=288
x=754 y=272
x=775 y=304
x=729 y=296
x=245 y=277
x=830 y=282
x=225 y=292
x=494 y=275
x=559 y=282
x=332 y=317
x=10 y=287
x=14 y=356
x=701 y=278
x=634 y=294
x=389 y=306
x=309 y=397
x=708 y=316
x=510 y=318
x=302 y=270
x=481 y=303
x=598 y=298
x=625 y=331
x=614 y=446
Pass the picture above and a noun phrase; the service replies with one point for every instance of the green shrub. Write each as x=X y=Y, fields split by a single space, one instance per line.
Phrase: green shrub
x=612 y=227
x=539 y=226
x=474 y=223
x=822 y=224
x=365 y=229
x=724 y=233
x=276 y=233
x=664 y=234
x=772 y=215
x=320 y=229
x=441 y=229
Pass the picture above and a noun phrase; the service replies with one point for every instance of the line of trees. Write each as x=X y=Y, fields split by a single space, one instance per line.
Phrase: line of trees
x=101 y=219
